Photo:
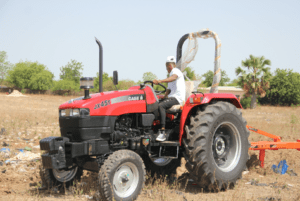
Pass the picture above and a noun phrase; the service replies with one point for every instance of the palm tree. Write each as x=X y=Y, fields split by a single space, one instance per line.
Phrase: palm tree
x=255 y=78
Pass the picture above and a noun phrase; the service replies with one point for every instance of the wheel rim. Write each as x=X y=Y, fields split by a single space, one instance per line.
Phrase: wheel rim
x=226 y=146
x=126 y=179
x=64 y=175
x=161 y=161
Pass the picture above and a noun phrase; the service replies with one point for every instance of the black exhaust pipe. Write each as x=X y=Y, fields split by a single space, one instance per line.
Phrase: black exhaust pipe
x=100 y=64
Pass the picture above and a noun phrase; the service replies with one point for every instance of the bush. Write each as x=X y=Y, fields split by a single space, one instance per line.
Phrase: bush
x=246 y=102
x=108 y=86
x=41 y=81
x=125 y=84
x=105 y=84
x=31 y=75
x=122 y=85
x=159 y=88
x=68 y=85
x=284 y=89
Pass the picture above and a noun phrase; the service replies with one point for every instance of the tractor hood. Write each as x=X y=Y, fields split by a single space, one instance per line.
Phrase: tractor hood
x=112 y=103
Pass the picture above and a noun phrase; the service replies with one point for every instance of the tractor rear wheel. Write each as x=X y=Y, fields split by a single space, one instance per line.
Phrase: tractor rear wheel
x=217 y=146
x=122 y=176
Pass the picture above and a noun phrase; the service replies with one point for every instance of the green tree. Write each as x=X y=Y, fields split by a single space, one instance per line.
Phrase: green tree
x=105 y=78
x=149 y=76
x=245 y=102
x=255 y=78
x=284 y=88
x=209 y=75
x=122 y=85
x=234 y=82
x=41 y=81
x=139 y=82
x=125 y=84
x=5 y=66
x=190 y=73
x=71 y=71
x=30 y=75
x=69 y=85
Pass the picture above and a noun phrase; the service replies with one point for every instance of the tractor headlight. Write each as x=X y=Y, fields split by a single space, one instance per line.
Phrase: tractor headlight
x=62 y=113
x=74 y=112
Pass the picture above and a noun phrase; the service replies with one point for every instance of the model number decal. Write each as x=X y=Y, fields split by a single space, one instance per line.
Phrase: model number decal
x=102 y=104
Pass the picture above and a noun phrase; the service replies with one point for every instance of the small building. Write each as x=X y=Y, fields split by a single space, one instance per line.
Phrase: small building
x=237 y=91
x=5 y=89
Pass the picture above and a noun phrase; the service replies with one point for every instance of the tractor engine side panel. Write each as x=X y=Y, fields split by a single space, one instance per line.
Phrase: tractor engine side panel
x=113 y=103
x=123 y=107
x=79 y=129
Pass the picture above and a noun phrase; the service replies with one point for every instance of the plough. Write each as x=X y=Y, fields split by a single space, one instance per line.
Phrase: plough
x=262 y=146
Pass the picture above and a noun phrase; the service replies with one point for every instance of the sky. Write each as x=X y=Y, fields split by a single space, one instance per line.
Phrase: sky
x=137 y=36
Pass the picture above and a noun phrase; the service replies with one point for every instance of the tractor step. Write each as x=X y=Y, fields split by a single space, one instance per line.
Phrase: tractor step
x=169 y=143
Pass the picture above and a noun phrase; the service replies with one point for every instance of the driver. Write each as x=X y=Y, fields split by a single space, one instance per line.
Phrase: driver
x=175 y=94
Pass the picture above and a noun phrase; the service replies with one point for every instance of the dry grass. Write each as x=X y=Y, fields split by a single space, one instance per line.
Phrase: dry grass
x=28 y=119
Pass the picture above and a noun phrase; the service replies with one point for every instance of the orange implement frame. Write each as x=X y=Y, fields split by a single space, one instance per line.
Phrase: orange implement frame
x=275 y=145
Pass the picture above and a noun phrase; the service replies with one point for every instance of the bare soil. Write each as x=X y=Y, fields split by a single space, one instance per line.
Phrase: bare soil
x=26 y=120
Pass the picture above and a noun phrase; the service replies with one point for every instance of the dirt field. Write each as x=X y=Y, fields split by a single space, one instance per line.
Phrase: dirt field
x=26 y=120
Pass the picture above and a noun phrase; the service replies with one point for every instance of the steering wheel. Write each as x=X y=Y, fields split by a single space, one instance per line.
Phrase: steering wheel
x=156 y=91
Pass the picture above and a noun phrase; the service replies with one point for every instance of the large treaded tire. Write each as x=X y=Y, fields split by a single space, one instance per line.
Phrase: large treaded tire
x=49 y=181
x=200 y=152
x=118 y=163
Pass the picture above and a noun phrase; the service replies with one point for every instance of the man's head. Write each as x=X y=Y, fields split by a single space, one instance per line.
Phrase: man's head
x=170 y=63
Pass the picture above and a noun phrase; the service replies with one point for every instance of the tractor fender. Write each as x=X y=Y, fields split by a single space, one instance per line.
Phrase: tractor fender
x=196 y=100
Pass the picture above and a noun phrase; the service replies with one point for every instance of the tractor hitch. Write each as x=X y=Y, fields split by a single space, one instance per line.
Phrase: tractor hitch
x=262 y=146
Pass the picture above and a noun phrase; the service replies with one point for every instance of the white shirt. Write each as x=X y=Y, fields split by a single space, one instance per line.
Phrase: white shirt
x=177 y=87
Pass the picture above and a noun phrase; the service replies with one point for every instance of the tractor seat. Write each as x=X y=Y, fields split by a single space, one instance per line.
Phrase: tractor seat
x=174 y=109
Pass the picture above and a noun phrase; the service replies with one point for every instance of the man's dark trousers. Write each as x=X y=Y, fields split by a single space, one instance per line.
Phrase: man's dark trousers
x=163 y=106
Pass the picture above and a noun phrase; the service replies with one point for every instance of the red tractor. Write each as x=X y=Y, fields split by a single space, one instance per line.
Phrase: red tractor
x=113 y=133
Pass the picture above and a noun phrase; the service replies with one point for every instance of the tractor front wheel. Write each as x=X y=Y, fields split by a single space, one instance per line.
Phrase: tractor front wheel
x=122 y=176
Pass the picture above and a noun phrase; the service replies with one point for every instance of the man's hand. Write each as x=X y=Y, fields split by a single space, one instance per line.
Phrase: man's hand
x=156 y=81
x=167 y=93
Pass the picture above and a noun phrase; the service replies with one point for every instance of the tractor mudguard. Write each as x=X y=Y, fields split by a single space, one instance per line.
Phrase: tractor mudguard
x=195 y=100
